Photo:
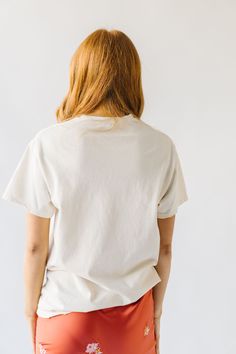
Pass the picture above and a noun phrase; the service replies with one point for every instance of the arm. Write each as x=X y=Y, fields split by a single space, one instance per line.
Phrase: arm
x=166 y=227
x=35 y=258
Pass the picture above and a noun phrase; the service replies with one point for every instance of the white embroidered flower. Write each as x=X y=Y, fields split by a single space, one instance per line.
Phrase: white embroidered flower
x=42 y=350
x=93 y=348
x=146 y=330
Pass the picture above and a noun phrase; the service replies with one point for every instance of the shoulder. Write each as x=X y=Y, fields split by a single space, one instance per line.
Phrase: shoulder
x=45 y=133
x=162 y=139
x=48 y=136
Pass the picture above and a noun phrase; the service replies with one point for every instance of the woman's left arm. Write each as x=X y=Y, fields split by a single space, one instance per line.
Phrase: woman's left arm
x=36 y=252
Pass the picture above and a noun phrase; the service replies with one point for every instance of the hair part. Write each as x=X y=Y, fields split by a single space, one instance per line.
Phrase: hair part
x=105 y=73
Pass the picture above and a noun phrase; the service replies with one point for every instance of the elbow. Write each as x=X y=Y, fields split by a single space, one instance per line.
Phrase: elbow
x=35 y=249
x=166 y=250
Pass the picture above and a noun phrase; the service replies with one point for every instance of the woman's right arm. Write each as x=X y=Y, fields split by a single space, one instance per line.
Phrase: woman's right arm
x=166 y=228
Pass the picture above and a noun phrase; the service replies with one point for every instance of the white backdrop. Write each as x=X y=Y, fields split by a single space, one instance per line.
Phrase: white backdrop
x=188 y=55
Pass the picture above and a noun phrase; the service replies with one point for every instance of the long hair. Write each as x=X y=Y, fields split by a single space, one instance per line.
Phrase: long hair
x=105 y=72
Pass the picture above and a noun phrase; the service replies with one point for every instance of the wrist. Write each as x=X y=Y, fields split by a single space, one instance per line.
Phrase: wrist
x=30 y=315
x=157 y=315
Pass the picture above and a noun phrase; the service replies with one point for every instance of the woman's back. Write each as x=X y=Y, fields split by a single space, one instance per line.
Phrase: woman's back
x=106 y=186
x=102 y=184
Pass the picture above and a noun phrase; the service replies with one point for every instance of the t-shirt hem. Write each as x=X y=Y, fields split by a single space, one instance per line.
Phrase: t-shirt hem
x=47 y=313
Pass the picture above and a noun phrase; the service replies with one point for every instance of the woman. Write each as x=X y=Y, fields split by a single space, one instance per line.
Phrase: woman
x=101 y=188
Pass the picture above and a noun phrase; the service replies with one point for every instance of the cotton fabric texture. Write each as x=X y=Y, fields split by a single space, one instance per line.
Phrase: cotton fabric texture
x=104 y=190
x=123 y=329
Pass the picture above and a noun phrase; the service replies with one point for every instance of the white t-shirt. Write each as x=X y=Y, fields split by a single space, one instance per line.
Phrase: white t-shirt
x=104 y=189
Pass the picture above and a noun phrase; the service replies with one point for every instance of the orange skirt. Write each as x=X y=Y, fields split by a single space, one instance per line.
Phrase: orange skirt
x=126 y=329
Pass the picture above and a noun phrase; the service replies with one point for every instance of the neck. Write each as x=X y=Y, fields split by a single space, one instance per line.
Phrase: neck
x=102 y=112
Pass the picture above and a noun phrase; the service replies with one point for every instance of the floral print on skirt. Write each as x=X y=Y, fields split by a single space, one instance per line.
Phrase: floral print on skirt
x=126 y=329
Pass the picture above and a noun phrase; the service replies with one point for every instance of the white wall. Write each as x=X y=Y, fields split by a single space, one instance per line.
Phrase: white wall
x=188 y=55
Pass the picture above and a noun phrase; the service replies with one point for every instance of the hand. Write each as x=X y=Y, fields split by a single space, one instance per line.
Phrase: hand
x=32 y=321
x=157 y=332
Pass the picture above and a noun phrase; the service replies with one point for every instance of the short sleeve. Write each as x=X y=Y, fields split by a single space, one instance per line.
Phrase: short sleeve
x=174 y=191
x=28 y=186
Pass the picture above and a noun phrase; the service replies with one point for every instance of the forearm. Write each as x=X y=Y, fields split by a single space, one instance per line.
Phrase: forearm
x=163 y=268
x=34 y=267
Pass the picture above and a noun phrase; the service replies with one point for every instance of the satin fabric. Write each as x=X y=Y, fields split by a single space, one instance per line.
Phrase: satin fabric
x=126 y=329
